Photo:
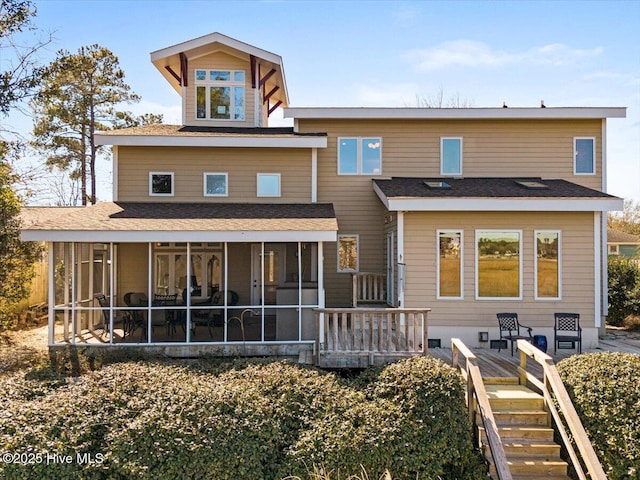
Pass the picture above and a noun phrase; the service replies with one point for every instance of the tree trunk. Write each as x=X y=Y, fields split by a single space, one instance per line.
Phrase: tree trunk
x=83 y=166
x=92 y=160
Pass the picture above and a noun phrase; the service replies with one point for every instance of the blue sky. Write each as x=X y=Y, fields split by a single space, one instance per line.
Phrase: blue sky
x=387 y=53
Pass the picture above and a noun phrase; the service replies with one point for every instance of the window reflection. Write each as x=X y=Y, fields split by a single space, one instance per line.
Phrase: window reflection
x=547 y=265
x=450 y=264
x=498 y=274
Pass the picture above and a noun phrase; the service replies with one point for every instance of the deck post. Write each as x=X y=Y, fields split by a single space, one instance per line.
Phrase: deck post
x=52 y=290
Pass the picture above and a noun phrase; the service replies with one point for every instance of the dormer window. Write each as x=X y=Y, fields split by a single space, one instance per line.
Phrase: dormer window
x=220 y=94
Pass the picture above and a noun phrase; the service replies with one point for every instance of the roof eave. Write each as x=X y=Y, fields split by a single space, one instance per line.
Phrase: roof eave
x=455 y=113
x=254 y=141
x=502 y=204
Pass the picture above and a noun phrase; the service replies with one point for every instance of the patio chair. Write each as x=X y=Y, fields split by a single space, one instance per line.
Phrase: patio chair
x=567 y=329
x=103 y=301
x=212 y=317
x=510 y=329
x=135 y=318
x=170 y=316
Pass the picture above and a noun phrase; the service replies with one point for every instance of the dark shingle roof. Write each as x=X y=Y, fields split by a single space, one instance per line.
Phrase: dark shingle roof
x=484 y=188
x=617 y=236
x=162 y=129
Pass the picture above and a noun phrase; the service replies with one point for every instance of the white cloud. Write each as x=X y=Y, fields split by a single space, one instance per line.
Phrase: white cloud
x=172 y=113
x=625 y=79
x=386 y=95
x=470 y=53
x=406 y=15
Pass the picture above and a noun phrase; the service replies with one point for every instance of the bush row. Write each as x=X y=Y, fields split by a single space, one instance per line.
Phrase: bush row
x=606 y=393
x=262 y=420
x=624 y=290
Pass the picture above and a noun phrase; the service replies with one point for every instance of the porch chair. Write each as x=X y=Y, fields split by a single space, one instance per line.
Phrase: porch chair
x=509 y=323
x=212 y=317
x=567 y=329
x=103 y=301
x=135 y=318
x=169 y=317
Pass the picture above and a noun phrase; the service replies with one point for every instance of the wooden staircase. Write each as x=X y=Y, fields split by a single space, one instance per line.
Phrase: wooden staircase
x=525 y=429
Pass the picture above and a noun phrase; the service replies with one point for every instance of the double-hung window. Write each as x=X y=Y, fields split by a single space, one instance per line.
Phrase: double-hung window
x=451 y=156
x=584 y=156
x=220 y=94
x=359 y=156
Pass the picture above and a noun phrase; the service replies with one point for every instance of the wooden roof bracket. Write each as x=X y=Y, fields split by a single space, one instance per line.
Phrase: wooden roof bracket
x=184 y=69
x=272 y=109
x=271 y=92
x=173 y=74
x=252 y=61
x=266 y=77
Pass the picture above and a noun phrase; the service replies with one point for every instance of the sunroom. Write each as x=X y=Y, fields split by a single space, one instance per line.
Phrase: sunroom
x=185 y=274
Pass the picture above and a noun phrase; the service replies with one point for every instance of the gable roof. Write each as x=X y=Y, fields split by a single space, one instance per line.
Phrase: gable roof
x=487 y=194
x=184 y=222
x=171 y=57
x=618 y=236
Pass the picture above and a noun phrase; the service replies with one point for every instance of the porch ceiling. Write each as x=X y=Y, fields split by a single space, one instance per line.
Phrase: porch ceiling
x=189 y=222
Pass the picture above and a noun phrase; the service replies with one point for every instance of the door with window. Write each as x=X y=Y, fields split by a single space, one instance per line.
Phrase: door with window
x=272 y=262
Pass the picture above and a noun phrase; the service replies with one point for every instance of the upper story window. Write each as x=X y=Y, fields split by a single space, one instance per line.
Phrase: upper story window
x=216 y=184
x=360 y=156
x=268 y=184
x=451 y=156
x=161 y=184
x=584 y=156
x=220 y=94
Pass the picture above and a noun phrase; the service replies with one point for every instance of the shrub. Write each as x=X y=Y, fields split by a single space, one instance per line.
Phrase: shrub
x=263 y=420
x=624 y=289
x=605 y=390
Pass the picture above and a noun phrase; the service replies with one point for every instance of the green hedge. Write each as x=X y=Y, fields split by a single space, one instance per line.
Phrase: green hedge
x=605 y=388
x=624 y=289
x=264 y=420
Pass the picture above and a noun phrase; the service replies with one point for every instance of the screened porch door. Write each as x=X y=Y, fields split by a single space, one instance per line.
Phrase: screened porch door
x=273 y=264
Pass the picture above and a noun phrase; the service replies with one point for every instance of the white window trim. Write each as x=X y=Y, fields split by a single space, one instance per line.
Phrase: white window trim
x=218 y=83
x=505 y=230
x=616 y=249
x=442 y=139
x=358 y=155
x=535 y=265
x=226 y=184
x=575 y=154
x=438 y=296
x=348 y=270
x=173 y=185
x=279 y=194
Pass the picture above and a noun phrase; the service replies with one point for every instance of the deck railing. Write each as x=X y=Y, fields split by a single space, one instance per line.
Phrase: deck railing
x=478 y=401
x=379 y=331
x=555 y=393
x=369 y=288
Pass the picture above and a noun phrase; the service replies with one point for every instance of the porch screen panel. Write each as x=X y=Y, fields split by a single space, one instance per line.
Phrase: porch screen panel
x=450 y=264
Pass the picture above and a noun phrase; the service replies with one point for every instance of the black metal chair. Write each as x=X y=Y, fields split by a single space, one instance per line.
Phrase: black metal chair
x=103 y=301
x=567 y=329
x=509 y=323
x=170 y=317
x=212 y=317
x=135 y=318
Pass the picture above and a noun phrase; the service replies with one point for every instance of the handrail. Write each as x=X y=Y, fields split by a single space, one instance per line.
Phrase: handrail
x=553 y=388
x=475 y=388
x=368 y=288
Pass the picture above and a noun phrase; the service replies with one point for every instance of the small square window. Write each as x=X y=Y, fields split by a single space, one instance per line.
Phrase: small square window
x=584 y=152
x=161 y=184
x=451 y=156
x=216 y=185
x=201 y=75
x=268 y=185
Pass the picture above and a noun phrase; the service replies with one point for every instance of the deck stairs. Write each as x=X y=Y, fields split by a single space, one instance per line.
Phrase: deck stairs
x=525 y=429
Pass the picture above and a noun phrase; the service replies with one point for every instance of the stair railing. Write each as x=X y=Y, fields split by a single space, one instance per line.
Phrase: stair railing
x=477 y=399
x=554 y=391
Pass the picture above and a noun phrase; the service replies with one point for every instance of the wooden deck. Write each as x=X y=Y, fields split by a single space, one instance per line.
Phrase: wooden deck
x=502 y=364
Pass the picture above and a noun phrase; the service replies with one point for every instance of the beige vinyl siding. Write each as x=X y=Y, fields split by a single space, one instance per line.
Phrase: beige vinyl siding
x=491 y=148
x=133 y=265
x=189 y=165
x=221 y=60
x=577 y=251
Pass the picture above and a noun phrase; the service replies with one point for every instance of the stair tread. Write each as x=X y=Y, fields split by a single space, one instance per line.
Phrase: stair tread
x=531 y=461
x=506 y=391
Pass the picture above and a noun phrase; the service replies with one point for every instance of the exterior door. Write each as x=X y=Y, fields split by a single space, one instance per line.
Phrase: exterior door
x=273 y=265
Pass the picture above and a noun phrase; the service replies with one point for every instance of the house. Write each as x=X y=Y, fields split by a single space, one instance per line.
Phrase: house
x=228 y=236
x=622 y=243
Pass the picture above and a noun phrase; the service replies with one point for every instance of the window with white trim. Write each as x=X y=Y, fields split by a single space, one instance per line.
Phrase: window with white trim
x=584 y=156
x=359 y=155
x=161 y=184
x=216 y=184
x=451 y=156
x=450 y=263
x=548 y=265
x=348 y=248
x=498 y=265
x=614 y=249
x=220 y=94
x=268 y=184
